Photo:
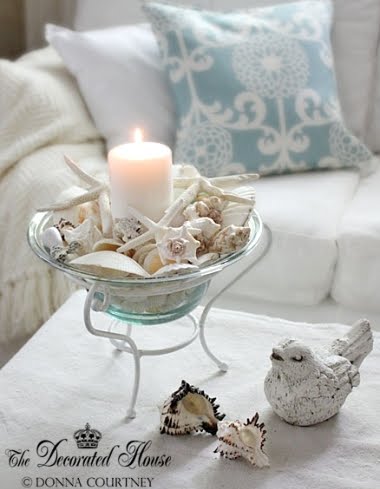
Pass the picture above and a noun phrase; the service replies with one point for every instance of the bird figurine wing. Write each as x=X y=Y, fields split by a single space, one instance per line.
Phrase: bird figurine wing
x=344 y=372
x=357 y=343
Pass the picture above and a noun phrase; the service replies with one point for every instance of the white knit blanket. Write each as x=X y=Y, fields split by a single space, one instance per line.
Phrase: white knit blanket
x=42 y=116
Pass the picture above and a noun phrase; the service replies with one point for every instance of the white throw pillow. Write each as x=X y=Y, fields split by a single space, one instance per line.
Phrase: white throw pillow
x=121 y=79
x=355 y=35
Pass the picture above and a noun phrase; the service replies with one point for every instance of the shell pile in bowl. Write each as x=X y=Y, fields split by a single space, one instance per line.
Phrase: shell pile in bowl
x=208 y=219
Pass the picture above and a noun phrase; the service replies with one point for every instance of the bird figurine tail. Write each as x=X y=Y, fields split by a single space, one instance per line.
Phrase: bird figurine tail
x=356 y=345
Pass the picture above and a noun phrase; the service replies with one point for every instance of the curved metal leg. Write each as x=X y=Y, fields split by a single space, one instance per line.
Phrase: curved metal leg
x=131 y=413
x=116 y=338
x=120 y=345
x=221 y=365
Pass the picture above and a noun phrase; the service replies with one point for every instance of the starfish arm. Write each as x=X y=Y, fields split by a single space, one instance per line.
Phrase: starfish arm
x=186 y=198
x=207 y=187
x=92 y=194
x=105 y=213
x=185 y=182
x=228 y=180
x=234 y=179
x=148 y=223
x=86 y=177
x=135 y=242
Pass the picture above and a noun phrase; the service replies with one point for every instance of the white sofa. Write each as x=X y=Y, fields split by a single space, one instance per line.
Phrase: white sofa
x=324 y=264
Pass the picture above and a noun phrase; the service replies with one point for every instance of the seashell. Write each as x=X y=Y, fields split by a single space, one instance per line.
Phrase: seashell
x=176 y=269
x=142 y=252
x=78 y=213
x=66 y=253
x=207 y=227
x=152 y=261
x=64 y=224
x=107 y=244
x=176 y=244
x=238 y=214
x=109 y=264
x=51 y=237
x=230 y=239
x=243 y=440
x=210 y=207
x=202 y=260
x=128 y=228
x=87 y=234
x=189 y=410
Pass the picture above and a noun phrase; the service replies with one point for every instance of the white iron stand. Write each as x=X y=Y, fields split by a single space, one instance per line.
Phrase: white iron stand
x=125 y=343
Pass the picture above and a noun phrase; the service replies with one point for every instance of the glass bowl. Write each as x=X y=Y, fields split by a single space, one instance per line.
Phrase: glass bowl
x=145 y=300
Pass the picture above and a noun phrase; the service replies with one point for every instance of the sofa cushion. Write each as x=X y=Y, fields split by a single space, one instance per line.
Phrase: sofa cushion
x=303 y=211
x=357 y=278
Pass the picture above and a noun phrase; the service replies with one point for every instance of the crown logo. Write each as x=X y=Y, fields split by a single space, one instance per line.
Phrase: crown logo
x=87 y=438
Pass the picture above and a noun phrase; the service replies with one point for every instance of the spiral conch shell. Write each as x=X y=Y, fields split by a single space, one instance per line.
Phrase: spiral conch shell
x=189 y=410
x=237 y=439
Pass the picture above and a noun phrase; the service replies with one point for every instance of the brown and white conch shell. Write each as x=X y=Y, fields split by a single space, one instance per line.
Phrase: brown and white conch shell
x=86 y=234
x=230 y=239
x=189 y=410
x=109 y=264
x=237 y=439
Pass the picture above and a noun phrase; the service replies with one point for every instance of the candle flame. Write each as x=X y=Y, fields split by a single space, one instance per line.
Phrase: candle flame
x=138 y=136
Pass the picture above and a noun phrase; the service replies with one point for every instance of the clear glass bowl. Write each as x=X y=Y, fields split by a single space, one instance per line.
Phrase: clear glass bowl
x=145 y=300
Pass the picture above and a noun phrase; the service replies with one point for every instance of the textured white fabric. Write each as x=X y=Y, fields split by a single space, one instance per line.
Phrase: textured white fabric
x=303 y=212
x=64 y=378
x=130 y=89
x=42 y=117
x=355 y=37
x=357 y=278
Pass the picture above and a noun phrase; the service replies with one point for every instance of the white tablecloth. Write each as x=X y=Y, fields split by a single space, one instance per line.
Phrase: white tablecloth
x=64 y=378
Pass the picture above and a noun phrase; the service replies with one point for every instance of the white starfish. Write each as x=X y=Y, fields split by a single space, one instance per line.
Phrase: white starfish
x=225 y=181
x=99 y=190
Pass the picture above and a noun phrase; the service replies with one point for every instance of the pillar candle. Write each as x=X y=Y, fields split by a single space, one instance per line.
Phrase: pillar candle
x=141 y=177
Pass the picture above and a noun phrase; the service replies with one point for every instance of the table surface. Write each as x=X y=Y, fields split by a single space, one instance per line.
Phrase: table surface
x=64 y=378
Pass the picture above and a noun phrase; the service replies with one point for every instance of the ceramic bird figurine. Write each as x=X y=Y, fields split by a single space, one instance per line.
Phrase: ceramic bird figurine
x=307 y=386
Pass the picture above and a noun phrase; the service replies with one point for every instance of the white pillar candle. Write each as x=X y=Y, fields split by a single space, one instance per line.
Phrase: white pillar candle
x=141 y=177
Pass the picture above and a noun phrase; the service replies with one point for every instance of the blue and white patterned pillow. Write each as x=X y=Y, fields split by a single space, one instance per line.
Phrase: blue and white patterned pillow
x=255 y=90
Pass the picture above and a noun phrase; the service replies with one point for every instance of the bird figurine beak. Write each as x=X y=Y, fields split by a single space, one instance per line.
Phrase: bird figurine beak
x=276 y=356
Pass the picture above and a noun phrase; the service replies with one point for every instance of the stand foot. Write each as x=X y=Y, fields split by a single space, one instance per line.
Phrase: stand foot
x=131 y=414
